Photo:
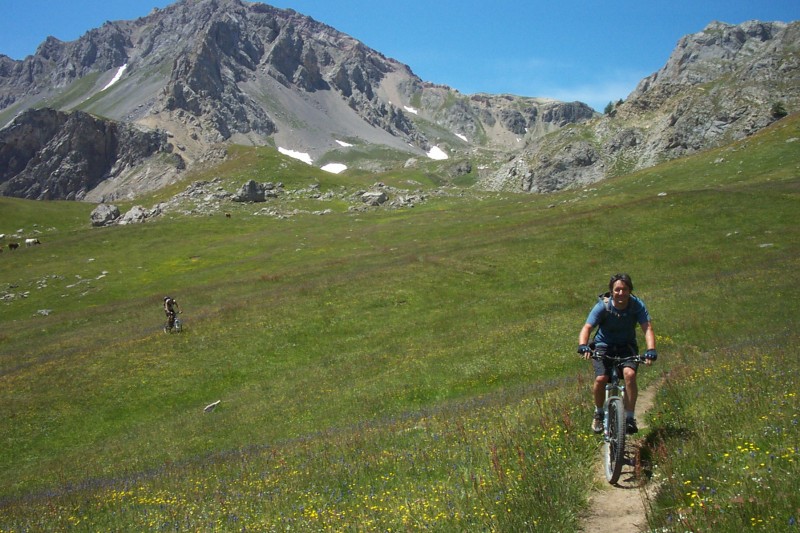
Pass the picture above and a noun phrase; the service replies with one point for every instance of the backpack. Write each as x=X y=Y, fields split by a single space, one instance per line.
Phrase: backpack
x=609 y=309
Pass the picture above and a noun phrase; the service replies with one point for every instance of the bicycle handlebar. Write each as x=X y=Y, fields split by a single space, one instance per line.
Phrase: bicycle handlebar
x=631 y=358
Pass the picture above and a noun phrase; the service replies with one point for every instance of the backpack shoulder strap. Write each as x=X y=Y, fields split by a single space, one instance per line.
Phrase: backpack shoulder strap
x=607 y=302
x=606 y=299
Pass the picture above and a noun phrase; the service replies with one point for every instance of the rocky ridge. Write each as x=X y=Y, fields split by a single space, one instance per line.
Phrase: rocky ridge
x=205 y=73
x=719 y=85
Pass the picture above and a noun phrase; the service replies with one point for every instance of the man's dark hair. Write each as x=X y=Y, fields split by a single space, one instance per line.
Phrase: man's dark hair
x=624 y=278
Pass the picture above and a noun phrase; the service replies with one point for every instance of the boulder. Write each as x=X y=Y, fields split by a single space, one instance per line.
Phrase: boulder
x=104 y=215
x=136 y=215
x=374 y=198
x=250 y=192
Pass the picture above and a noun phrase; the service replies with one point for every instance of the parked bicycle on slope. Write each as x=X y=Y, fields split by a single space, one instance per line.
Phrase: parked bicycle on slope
x=615 y=316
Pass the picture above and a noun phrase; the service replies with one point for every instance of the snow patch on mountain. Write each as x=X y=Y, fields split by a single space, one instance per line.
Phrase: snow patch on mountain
x=302 y=156
x=437 y=154
x=117 y=76
x=335 y=168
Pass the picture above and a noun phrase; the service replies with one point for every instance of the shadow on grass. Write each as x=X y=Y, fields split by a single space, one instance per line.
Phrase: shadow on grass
x=654 y=445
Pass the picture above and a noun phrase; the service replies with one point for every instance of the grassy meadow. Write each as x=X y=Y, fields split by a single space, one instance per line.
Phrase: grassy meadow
x=402 y=369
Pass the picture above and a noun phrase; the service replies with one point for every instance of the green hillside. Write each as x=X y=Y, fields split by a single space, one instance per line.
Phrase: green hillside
x=390 y=369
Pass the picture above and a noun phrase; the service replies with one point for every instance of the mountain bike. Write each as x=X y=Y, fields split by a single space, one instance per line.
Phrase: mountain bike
x=614 y=416
x=173 y=324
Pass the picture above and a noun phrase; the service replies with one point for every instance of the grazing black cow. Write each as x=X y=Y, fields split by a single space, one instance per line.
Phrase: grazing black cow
x=13 y=245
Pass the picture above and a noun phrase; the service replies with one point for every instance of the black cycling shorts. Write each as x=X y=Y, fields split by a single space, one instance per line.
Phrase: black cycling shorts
x=602 y=366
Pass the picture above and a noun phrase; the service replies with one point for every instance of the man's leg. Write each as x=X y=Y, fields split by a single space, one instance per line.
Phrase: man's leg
x=631 y=393
x=631 y=389
x=599 y=391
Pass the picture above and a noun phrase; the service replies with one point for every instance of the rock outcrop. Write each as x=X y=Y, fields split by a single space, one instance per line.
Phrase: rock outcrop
x=138 y=215
x=374 y=198
x=47 y=154
x=252 y=191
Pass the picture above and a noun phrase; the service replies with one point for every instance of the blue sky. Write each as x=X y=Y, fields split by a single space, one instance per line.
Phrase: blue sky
x=589 y=50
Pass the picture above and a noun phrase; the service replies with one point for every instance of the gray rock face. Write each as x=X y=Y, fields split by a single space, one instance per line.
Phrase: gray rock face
x=723 y=49
x=47 y=154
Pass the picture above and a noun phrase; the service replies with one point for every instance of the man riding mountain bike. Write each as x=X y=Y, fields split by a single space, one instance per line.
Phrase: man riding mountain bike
x=170 y=308
x=615 y=316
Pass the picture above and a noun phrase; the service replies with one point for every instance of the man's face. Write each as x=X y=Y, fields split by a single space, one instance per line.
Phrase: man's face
x=621 y=294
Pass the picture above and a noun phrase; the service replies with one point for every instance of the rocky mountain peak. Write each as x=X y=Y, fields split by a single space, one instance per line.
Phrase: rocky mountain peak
x=219 y=71
x=720 y=49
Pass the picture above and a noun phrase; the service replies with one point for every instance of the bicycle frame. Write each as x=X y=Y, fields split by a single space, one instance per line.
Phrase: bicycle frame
x=615 y=388
x=173 y=323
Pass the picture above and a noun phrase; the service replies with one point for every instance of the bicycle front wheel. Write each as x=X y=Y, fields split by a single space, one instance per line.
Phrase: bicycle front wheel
x=614 y=448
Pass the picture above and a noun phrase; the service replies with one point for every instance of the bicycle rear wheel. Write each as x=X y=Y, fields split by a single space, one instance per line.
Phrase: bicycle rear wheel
x=614 y=448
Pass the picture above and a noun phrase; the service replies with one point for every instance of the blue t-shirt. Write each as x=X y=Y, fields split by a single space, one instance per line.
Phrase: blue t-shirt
x=615 y=326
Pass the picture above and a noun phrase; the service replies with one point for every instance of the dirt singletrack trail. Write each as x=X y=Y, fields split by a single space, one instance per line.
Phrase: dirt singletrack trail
x=620 y=508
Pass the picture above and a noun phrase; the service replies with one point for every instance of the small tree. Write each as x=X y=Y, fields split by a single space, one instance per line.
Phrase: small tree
x=609 y=108
x=778 y=110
